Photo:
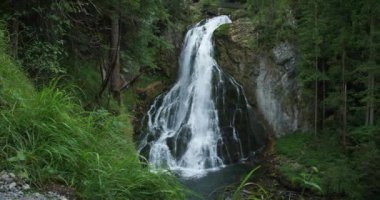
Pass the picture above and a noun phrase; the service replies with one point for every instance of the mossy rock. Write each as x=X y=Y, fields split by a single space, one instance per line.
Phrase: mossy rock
x=223 y=31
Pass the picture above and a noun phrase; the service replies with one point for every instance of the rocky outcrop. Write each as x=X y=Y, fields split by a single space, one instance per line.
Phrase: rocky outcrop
x=15 y=188
x=269 y=78
x=277 y=93
x=235 y=57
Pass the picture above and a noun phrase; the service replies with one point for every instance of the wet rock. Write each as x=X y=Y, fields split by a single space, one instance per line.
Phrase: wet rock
x=283 y=53
x=268 y=78
x=278 y=97
x=236 y=58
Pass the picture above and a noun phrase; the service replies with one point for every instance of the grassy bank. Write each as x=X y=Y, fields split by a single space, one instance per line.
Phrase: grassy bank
x=322 y=165
x=47 y=137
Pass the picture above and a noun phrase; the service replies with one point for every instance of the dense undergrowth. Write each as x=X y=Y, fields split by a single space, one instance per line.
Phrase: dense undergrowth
x=47 y=137
x=321 y=164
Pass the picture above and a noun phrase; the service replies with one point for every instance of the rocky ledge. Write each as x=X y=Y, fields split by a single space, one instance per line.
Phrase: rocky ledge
x=15 y=188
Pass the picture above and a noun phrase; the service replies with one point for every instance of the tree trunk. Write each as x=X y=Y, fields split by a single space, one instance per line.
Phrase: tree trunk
x=344 y=91
x=316 y=100
x=115 y=78
x=372 y=104
x=112 y=77
x=371 y=80
x=316 y=71
x=323 y=96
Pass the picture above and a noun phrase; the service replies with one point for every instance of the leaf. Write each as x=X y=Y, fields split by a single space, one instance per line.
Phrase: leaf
x=237 y=191
x=313 y=185
x=19 y=157
x=315 y=169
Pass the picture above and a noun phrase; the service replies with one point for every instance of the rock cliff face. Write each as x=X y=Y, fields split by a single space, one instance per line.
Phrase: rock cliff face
x=269 y=79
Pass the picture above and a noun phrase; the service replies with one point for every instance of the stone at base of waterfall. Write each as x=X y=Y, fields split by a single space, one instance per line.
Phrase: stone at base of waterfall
x=14 y=188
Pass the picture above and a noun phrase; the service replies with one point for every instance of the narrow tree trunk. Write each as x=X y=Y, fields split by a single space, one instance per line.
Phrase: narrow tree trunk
x=316 y=100
x=316 y=71
x=344 y=91
x=323 y=96
x=370 y=118
x=273 y=10
x=372 y=104
x=112 y=76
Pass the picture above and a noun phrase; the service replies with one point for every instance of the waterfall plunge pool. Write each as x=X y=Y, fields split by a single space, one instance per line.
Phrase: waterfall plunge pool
x=214 y=184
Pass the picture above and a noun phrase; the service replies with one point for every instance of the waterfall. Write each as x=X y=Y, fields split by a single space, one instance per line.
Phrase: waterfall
x=204 y=121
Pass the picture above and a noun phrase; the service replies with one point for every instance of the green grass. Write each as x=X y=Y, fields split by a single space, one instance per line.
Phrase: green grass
x=85 y=76
x=46 y=136
x=338 y=171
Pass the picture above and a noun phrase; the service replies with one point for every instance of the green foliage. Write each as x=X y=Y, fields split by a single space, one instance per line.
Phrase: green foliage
x=338 y=172
x=236 y=193
x=39 y=29
x=46 y=136
x=309 y=38
x=306 y=180
x=49 y=32
x=337 y=65
x=14 y=84
x=209 y=3
x=144 y=21
x=43 y=57
x=364 y=134
x=222 y=31
x=82 y=74
x=337 y=41
x=367 y=161
x=274 y=22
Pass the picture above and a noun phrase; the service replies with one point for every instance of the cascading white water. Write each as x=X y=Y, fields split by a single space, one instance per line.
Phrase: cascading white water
x=184 y=128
